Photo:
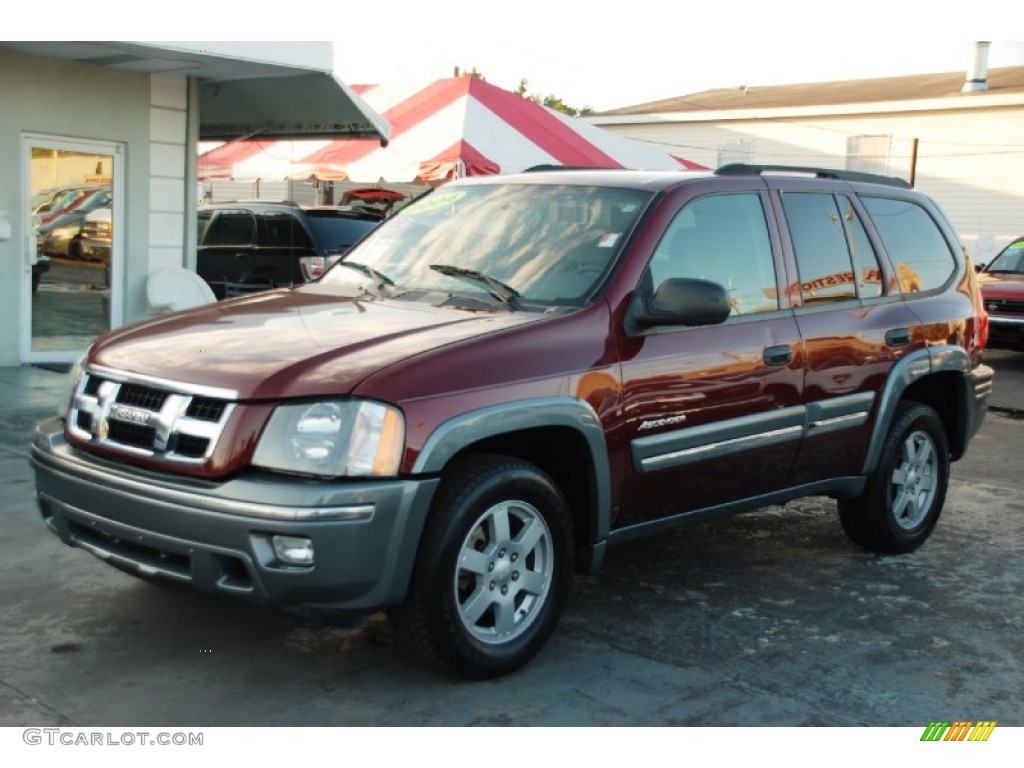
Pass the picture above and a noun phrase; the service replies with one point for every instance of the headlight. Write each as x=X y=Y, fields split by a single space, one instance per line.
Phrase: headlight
x=336 y=438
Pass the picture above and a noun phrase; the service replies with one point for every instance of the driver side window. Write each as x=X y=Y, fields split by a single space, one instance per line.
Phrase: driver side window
x=722 y=238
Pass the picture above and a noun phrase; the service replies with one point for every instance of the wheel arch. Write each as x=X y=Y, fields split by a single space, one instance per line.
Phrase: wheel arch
x=937 y=377
x=561 y=435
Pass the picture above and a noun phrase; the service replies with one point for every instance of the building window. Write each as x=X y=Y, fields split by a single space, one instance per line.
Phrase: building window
x=868 y=154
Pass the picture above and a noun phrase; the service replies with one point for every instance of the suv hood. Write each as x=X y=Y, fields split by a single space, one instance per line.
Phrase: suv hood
x=282 y=344
x=1002 y=284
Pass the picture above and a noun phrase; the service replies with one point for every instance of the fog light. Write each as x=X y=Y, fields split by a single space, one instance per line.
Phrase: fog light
x=294 y=550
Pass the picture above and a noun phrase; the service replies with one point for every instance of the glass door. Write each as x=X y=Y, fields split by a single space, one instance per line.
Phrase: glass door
x=72 y=246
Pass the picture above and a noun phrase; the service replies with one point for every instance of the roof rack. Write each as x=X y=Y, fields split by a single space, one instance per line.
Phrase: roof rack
x=258 y=200
x=741 y=169
x=556 y=167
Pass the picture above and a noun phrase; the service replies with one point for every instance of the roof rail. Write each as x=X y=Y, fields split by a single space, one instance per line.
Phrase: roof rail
x=261 y=200
x=556 y=167
x=741 y=169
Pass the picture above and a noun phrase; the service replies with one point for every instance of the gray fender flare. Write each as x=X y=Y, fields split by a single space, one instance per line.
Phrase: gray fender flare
x=910 y=369
x=452 y=436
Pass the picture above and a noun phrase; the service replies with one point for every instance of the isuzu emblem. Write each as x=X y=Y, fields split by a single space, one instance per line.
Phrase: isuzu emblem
x=133 y=415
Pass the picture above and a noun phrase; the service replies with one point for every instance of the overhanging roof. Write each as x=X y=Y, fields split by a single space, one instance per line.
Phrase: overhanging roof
x=314 y=105
x=238 y=97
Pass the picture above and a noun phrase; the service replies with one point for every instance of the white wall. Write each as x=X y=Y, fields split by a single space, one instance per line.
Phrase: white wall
x=970 y=161
x=168 y=133
x=65 y=100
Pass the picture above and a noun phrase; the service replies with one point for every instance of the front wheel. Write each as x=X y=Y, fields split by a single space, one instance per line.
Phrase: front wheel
x=901 y=502
x=493 y=569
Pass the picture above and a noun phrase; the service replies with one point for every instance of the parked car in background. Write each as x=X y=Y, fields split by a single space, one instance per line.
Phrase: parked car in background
x=1002 y=287
x=68 y=200
x=43 y=199
x=96 y=235
x=62 y=236
x=248 y=246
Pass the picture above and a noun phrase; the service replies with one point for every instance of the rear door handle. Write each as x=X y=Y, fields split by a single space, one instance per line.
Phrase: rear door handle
x=778 y=355
x=897 y=337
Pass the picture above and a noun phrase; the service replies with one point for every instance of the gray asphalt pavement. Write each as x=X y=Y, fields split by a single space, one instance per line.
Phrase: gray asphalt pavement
x=771 y=618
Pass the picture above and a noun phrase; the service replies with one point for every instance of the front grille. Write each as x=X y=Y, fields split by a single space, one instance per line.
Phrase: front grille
x=97 y=229
x=84 y=421
x=131 y=434
x=206 y=409
x=166 y=423
x=190 y=445
x=141 y=397
x=1007 y=306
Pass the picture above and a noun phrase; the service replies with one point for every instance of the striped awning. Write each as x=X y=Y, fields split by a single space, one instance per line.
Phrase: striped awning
x=459 y=126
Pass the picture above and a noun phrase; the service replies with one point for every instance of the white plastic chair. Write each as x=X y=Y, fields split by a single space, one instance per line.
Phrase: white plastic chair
x=174 y=288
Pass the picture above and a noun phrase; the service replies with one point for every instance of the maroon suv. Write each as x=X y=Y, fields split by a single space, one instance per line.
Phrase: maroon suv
x=511 y=374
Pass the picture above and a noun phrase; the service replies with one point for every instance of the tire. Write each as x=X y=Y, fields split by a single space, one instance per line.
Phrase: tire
x=901 y=502
x=493 y=570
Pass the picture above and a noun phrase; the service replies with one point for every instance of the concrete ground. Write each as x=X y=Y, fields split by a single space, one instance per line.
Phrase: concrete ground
x=771 y=618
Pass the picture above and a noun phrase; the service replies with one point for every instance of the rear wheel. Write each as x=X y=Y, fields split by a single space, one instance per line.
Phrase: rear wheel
x=901 y=502
x=493 y=569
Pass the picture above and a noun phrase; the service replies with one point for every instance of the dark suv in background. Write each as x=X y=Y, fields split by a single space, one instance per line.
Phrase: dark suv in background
x=512 y=374
x=250 y=246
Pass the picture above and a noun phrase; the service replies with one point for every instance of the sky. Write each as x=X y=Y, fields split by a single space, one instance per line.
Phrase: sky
x=589 y=53
x=606 y=55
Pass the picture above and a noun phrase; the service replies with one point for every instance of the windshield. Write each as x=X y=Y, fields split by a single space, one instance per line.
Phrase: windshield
x=511 y=243
x=1010 y=260
x=335 y=233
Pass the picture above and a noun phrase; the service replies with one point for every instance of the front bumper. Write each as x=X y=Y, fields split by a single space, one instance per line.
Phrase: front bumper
x=1005 y=332
x=217 y=536
x=979 y=382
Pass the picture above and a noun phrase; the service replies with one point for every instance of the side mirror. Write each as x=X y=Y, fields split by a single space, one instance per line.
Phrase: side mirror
x=684 y=301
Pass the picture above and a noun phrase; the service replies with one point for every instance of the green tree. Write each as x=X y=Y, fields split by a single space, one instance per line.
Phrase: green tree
x=551 y=101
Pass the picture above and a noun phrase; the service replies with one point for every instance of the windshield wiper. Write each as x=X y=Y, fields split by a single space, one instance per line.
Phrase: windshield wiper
x=506 y=294
x=383 y=280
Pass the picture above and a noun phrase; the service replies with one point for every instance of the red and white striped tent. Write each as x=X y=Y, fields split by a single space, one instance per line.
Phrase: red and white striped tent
x=460 y=126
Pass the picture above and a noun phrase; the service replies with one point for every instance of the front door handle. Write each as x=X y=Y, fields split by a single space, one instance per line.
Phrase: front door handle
x=897 y=337
x=778 y=355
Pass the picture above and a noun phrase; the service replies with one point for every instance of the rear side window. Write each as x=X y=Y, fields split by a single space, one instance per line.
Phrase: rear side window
x=723 y=238
x=833 y=254
x=337 y=234
x=921 y=255
x=231 y=228
x=282 y=230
